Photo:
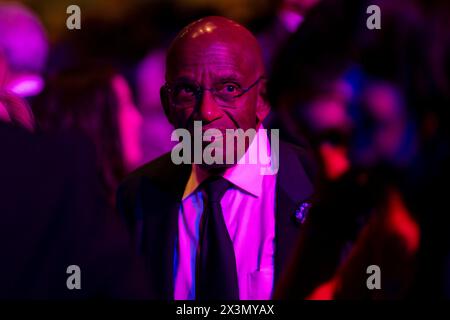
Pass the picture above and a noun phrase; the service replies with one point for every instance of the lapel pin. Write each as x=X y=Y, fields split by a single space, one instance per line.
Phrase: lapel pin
x=302 y=212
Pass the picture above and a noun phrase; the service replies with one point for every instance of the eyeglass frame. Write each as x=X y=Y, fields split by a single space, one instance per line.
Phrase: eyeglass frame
x=198 y=93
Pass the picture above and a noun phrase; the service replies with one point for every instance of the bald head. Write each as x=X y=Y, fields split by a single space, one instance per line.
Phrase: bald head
x=215 y=34
x=215 y=74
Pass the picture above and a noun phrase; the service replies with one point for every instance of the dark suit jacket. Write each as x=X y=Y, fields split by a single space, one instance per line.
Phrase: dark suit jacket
x=150 y=199
x=53 y=215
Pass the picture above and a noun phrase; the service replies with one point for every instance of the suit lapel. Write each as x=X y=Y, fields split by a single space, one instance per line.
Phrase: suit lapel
x=292 y=189
x=161 y=199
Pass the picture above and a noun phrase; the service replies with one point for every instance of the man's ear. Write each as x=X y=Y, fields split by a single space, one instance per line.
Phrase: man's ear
x=262 y=106
x=163 y=94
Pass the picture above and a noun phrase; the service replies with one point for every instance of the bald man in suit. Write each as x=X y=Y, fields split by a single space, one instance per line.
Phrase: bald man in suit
x=219 y=231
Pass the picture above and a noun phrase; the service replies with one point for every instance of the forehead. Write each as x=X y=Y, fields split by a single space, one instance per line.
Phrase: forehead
x=215 y=60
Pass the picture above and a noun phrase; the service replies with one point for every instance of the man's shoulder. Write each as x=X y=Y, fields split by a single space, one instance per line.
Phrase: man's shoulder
x=302 y=154
x=152 y=169
x=161 y=172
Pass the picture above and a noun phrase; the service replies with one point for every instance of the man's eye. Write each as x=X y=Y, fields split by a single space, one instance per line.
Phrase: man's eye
x=184 y=90
x=230 y=88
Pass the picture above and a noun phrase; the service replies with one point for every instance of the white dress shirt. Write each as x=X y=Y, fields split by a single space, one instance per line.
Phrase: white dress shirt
x=249 y=212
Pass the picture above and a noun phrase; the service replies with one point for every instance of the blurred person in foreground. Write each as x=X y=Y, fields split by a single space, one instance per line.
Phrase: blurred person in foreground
x=216 y=231
x=384 y=208
x=95 y=101
x=53 y=215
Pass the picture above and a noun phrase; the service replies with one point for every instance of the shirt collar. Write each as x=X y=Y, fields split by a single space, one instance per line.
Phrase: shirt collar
x=245 y=176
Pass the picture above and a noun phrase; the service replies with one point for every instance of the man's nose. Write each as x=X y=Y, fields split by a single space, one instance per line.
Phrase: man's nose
x=208 y=110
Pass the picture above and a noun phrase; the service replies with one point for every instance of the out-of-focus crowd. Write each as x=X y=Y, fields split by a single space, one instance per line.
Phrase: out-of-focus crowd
x=372 y=105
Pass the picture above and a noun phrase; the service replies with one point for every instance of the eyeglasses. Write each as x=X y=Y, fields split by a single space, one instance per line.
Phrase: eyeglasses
x=184 y=94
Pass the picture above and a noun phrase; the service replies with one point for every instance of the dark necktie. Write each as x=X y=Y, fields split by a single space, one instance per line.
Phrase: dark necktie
x=216 y=275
